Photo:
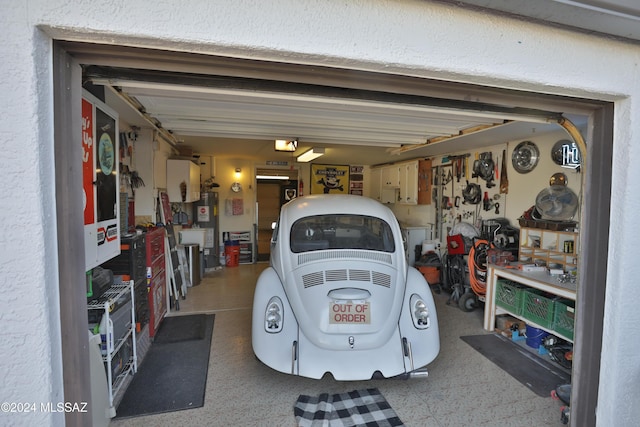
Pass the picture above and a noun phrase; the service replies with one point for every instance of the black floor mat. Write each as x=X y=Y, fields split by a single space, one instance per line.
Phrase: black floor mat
x=173 y=375
x=537 y=374
x=181 y=328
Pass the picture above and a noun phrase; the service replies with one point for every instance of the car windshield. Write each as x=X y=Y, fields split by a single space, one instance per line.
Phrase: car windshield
x=341 y=232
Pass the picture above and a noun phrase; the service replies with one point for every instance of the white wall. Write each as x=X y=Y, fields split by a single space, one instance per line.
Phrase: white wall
x=406 y=36
x=144 y=157
x=225 y=177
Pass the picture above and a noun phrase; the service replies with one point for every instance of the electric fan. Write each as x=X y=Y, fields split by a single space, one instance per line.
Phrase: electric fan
x=557 y=202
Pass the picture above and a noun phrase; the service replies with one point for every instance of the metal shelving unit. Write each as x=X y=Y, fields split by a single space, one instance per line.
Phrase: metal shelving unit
x=108 y=303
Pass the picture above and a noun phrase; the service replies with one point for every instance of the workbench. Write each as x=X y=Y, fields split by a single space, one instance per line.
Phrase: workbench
x=541 y=280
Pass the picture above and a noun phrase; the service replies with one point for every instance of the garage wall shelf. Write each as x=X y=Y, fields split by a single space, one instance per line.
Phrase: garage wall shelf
x=554 y=249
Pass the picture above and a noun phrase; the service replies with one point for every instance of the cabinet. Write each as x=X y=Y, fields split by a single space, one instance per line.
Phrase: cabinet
x=424 y=182
x=375 y=186
x=542 y=281
x=115 y=311
x=554 y=249
x=390 y=183
x=408 y=183
x=183 y=180
x=388 y=194
x=156 y=278
x=390 y=176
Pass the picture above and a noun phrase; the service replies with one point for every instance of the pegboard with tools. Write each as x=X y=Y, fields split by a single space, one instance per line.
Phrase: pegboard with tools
x=469 y=187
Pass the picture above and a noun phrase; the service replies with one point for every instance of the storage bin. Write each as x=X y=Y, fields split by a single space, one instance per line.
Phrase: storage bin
x=509 y=295
x=121 y=319
x=121 y=358
x=564 y=317
x=232 y=253
x=535 y=336
x=431 y=274
x=538 y=308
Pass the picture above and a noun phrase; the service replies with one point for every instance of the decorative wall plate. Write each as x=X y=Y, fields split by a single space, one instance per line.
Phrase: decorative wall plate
x=525 y=157
x=236 y=187
x=566 y=154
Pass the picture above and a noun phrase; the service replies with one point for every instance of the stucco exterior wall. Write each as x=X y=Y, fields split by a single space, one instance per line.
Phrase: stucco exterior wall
x=404 y=36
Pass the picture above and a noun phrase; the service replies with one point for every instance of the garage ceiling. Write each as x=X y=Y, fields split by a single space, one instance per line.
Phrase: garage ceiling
x=241 y=118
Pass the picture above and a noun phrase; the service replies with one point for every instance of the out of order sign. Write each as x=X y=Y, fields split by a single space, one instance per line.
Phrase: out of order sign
x=349 y=312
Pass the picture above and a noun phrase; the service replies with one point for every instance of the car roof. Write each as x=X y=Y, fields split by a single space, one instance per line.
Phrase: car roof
x=327 y=204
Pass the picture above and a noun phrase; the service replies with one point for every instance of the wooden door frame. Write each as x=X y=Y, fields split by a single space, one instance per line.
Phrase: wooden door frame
x=258 y=210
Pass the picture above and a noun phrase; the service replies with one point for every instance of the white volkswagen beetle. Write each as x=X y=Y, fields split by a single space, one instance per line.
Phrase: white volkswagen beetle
x=338 y=295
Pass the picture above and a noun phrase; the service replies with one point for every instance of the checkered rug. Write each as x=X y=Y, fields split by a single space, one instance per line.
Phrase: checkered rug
x=356 y=408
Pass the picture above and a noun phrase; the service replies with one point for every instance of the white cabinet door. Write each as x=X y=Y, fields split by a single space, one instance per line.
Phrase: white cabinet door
x=183 y=181
x=409 y=183
x=375 y=185
x=412 y=183
x=390 y=177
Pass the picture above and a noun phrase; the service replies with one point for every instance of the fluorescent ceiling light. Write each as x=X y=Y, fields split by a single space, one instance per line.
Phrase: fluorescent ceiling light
x=286 y=145
x=281 y=177
x=314 y=153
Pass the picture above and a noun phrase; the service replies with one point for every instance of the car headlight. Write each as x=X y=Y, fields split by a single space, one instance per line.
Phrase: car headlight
x=273 y=316
x=419 y=312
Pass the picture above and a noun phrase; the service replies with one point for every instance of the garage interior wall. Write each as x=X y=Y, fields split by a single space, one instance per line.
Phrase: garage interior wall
x=512 y=204
x=457 y=45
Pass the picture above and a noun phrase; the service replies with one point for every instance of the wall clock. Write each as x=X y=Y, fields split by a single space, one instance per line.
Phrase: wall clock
x=236 y=187
x=525 y=157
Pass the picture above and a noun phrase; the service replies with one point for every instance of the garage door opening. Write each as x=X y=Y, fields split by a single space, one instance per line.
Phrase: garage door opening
x=446 y=96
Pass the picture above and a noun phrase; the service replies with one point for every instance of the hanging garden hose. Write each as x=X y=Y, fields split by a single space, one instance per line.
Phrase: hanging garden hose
x=478 y=266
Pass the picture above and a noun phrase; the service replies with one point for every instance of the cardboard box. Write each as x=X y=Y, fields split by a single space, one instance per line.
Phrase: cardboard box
x=505 y=324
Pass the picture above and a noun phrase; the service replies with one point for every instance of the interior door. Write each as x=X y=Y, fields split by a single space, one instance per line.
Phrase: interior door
x=268 y=210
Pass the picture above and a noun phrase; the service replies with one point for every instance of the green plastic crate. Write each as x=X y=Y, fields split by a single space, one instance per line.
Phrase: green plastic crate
x=538 y=308
x=509 y=295
x=564 y=318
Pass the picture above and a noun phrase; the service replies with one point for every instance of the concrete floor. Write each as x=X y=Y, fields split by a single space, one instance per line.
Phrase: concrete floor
x=463 y=387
